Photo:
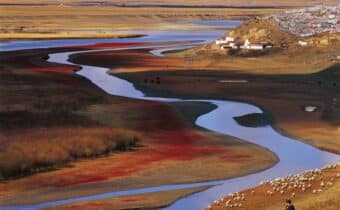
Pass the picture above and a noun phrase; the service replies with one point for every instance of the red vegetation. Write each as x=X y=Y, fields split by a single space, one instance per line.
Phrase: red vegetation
x=105 y=45
x=233 y=157
x=168 y=136
x=54 y=69
x=129 y=60
x=92 y=204
x=171 y=145
x=130 y=199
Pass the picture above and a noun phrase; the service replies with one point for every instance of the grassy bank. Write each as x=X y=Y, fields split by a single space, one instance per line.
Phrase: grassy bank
x=281 y=95
x=39 y=150
x=146 y=201
x=318 y=189
x=276 y=94
x=286 y=107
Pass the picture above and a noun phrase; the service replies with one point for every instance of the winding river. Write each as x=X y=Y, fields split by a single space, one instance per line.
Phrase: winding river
x=294 y=156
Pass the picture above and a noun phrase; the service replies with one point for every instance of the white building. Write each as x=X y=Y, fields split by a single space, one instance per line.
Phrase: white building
x=248 y=45
x=302 y=43
x=225 y=40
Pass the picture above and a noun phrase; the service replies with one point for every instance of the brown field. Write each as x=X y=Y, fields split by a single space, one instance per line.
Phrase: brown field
x=43 y=102
x=33 y=22
x=142 y=201
x=180 y=3
x=328 y=181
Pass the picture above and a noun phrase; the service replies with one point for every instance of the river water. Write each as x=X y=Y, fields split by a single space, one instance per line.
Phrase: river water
x=294 y=156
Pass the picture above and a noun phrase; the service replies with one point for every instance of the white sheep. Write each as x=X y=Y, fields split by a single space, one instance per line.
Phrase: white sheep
x=322 y=184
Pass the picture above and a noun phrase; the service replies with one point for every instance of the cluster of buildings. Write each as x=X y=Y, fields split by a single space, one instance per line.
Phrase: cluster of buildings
x=309 y=21
x=229 y=43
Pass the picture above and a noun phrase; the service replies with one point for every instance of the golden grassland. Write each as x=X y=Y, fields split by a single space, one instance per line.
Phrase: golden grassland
x=19 y=22
x=320 y=193
x=198 y=3
x=141 y=201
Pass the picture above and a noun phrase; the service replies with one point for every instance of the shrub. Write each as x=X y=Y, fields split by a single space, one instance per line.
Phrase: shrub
x=50 y=148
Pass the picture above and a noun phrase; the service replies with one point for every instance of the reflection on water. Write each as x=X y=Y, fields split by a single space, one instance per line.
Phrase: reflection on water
x=152 y=36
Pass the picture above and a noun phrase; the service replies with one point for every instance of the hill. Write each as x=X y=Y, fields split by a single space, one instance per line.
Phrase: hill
x=287 y=53
x=258 y=30
x=268 y=31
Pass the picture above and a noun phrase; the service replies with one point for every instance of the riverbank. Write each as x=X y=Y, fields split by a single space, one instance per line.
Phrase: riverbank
x=64 y=35
x=316 y=189
x=303 y=156
x=169 y=148
x=146 y=201
x=286 y=107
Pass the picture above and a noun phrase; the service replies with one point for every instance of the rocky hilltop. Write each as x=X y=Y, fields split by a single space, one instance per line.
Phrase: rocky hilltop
x=258 y=30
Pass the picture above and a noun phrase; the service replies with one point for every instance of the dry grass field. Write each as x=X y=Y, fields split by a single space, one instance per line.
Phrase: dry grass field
x=38 y=150
x=36 y=22
x=53 y=19
x=180 y=3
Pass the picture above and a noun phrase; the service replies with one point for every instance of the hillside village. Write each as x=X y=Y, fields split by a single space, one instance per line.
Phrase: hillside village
x=298 y=27
x=310 y=21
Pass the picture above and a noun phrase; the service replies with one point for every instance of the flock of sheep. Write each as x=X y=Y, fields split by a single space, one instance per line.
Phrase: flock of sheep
x=312 y=181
